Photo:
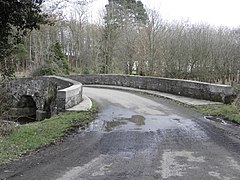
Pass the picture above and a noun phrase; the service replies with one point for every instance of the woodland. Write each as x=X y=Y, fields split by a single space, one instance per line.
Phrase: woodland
x=44 y=37
x=37 y=39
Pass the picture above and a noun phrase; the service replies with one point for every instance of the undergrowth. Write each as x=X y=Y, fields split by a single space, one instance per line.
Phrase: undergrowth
x=229 y=112
x=28 y=137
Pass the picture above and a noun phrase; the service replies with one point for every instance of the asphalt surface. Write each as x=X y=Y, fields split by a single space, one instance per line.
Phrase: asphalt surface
x=137 y=137
x=186 y=100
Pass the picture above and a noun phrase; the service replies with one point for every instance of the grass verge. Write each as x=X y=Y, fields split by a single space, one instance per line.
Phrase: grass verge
x=228 y=112
x=28 y=137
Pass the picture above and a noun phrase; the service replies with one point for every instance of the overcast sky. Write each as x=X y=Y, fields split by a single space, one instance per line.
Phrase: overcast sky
x=214 y=12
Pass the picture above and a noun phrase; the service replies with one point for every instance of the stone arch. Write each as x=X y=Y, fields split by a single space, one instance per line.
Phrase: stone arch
x=26 y=109
x=26 y=101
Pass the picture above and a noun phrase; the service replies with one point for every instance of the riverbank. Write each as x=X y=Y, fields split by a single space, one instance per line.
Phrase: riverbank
x=29 y=137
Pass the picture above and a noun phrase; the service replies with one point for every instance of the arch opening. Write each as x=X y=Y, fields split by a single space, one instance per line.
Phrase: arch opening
x=26 y=110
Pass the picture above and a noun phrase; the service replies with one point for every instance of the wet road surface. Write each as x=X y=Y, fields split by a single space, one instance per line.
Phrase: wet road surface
x=137 y=137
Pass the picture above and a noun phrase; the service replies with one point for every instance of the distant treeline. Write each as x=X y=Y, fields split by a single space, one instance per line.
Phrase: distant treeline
x=126 y=43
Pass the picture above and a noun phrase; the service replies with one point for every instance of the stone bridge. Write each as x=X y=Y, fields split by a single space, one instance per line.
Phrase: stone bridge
x=44 y=96
x=194 y=89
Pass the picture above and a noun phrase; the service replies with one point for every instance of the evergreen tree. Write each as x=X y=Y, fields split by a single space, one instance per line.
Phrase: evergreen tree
x=56 y=64
x=59 y=58
x=16 y=18
x=121 y=12
x=119 y=15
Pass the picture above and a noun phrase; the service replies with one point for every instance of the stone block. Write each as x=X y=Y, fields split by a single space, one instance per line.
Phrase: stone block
x=41 y=115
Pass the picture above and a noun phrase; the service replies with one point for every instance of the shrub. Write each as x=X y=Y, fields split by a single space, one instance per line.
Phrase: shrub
x=44 y=70
x=6 y=127
x=5 y=102
x=57 y=64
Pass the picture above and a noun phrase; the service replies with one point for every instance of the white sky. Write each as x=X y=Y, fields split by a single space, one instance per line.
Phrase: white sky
x=214 y=12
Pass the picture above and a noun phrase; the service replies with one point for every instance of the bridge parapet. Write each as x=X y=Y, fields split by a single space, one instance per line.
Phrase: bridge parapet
x=69 y=92
x=51 y=94
x=194 y=89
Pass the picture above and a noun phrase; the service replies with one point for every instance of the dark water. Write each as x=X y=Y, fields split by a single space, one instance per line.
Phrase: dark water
x=25 y=120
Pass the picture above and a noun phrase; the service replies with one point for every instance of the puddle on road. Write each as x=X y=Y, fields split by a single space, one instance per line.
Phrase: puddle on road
x=110 y=125
x=122 y=119
x=176 y=119
x=216 y=119
x=139 y=123
x=136 y=119
x=119 y=121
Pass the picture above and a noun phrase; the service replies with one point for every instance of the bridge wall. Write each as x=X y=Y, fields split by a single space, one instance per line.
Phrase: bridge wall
x=199 y=90
x=51 y=94
x=36 y=88
x=69 y=92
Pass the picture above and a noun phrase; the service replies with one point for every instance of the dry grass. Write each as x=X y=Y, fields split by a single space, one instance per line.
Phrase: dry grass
x=228 y=112
x=27 y=137
x=6 y=128
x=5 y=102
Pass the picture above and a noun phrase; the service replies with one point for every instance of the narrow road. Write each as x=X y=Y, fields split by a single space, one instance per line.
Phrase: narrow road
x=137 y=137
